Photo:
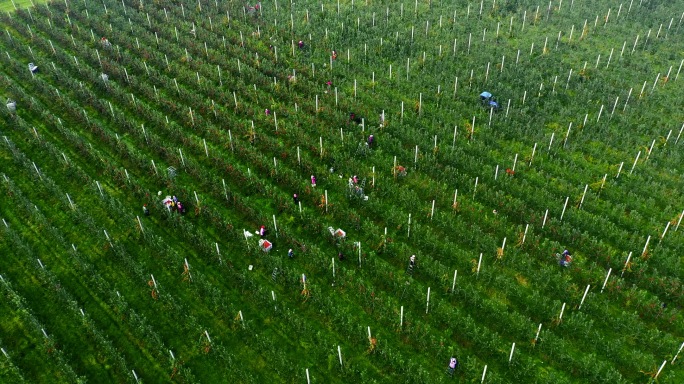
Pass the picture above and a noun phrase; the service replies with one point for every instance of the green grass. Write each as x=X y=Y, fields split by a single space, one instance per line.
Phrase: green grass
x=7 y=6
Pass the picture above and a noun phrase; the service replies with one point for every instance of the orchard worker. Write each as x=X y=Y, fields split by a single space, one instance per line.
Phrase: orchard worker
x=412 y=265
x=290 y=253
x=453 y=363
x=565 y=259
x=313 y=180
x=295 y=198
x=146 y=210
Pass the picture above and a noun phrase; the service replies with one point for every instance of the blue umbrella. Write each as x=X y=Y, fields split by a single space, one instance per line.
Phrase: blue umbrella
x=485 y=95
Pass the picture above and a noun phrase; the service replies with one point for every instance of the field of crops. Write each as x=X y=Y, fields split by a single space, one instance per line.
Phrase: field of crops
x=233 y=108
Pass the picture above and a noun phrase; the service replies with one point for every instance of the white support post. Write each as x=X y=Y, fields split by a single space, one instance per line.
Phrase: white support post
x=408 y=234
x=671 y=362
x=564 y=206
x=534 y=149
x=648 y=239
x=536 y=337
x=515 y=162
x=659 y=369
x=527 y=226
x=479 y=263
x=560 y=316
x=339 y=353
x=606 y=279
x=583 y=196
x=665 y=231
x=584 y=296
x=475 y=188
x=427 y=305
x=619 y=169
x=140 y=224
x=629 y=257
x=681 y=215
x=453 y=284
x=401 y=317
x=567 y=134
